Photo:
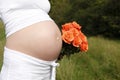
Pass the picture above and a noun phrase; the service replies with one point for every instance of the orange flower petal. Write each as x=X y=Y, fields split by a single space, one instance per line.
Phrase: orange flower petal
x=76 y=25
x=77 y=41
x=84 y=46
x=83 y=37
x=67 y=26
x=67 y=37
x=75 y=31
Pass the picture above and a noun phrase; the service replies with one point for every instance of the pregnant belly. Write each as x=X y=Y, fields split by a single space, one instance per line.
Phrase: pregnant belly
x=41 y=40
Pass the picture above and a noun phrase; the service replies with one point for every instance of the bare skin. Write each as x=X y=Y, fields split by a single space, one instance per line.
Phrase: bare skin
x=41 y=40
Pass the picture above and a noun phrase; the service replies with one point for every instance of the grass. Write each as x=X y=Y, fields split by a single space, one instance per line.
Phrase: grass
x=101 y=62
x=2 y=42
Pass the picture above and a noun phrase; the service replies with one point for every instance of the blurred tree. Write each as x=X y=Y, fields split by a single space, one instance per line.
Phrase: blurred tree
x=59 y=9
x=98 y=17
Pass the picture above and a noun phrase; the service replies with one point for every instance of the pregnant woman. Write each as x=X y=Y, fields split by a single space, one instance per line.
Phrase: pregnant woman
x=33 y=40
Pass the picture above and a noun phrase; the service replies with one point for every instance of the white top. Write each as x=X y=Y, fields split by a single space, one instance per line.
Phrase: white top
x=18 y=14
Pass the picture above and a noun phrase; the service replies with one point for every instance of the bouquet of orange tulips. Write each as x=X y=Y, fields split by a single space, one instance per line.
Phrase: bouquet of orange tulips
x=73 y=36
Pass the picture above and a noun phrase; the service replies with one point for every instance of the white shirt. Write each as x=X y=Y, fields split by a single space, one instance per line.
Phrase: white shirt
x=18 y=14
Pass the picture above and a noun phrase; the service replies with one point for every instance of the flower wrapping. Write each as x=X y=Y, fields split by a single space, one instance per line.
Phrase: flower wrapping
x=72 y=34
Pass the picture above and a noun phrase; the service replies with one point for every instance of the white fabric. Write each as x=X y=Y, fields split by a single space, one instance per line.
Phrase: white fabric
x=18 y=14
x=19 y=66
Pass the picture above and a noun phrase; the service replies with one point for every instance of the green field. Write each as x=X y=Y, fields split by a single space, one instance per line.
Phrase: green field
x=101 y=62
x=2 y=42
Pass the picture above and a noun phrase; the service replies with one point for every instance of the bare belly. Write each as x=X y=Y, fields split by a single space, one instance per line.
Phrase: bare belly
x=41 y=40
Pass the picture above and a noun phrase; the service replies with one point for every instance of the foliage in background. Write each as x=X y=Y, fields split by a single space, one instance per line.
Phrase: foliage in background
x=101 y=62
x=59 y=10
x=2 y=42
x=98 y=17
